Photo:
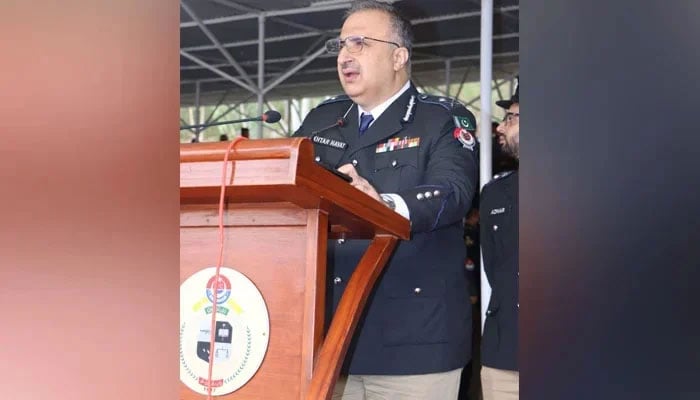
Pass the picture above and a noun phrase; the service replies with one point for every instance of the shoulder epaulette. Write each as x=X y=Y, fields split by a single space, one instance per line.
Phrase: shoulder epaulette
x=447 y=103
x=463 y=118
x=500 y=176
x=335 y=99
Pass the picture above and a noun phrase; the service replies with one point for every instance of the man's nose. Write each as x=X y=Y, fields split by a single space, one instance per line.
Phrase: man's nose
x=501 y=128
x=344 y=56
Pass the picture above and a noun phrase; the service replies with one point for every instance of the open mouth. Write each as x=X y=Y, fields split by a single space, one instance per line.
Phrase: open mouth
x=350 y=74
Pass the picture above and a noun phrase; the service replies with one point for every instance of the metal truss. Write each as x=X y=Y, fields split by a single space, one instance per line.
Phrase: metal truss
x=333 y=69
x=262 y=83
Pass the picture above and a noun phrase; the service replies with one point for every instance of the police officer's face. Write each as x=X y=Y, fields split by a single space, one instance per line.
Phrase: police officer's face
x=370 y=76
x=509 y=129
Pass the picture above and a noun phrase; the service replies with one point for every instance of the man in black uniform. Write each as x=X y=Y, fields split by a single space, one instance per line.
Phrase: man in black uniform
x=500 y=378
x=416 y=154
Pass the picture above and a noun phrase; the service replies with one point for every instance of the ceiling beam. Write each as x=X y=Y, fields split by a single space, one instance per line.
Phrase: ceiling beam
x=254 y=42
x=216 y=43
x=240 y=7
x=417 y=45
x=321 y=70
x=279 y=13
x=218 y=72
x=417 y=21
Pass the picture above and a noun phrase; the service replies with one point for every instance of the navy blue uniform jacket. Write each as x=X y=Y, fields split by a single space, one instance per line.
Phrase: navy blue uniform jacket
x=499 y=242
x=418 y=318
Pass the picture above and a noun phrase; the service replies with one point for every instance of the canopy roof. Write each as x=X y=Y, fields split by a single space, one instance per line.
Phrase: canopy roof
x=220 y=42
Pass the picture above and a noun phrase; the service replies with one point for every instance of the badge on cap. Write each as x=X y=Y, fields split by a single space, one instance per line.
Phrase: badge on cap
x=465 y=137
x=464 y=122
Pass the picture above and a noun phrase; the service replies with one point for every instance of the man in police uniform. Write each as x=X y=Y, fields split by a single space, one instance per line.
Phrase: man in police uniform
x=415 y=153
x=500 y=378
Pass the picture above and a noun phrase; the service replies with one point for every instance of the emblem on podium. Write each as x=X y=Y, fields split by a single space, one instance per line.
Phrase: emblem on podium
x=241 y=330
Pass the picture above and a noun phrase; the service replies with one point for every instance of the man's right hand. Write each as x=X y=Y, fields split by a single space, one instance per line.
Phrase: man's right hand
x=360 y=182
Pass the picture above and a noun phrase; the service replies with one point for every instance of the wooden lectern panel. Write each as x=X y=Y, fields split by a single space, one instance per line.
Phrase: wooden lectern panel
x=281 y=209
x=279 y=254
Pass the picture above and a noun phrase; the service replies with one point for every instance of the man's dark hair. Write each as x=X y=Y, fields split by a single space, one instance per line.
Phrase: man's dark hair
x=400 y=25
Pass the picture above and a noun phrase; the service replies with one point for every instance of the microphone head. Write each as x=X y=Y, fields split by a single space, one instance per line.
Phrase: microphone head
x=341 y=122
x=271 y=116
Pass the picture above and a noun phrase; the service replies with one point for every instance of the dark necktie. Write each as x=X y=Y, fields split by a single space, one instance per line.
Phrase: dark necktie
x=365 y=120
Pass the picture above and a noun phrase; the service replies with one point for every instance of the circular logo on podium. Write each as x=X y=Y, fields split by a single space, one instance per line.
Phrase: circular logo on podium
x=241 y=330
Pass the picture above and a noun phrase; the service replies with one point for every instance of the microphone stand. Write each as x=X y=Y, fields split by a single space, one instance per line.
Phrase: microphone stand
x=269 y=116
x=182 y=128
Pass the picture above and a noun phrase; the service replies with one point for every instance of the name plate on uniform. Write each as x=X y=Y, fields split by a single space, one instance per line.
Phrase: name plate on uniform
x=324 y=141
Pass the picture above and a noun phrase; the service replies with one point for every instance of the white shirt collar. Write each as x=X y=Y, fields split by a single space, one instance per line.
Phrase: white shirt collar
x=378 y=110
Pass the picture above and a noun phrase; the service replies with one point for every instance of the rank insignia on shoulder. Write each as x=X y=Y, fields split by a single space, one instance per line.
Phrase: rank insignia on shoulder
x=465 y=137
x=397 y=144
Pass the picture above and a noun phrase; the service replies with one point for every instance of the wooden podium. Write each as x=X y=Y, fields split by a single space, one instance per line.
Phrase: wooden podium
x=280 y=209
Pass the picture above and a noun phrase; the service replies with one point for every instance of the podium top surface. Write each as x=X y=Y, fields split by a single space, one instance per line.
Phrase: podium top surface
x=282 y=171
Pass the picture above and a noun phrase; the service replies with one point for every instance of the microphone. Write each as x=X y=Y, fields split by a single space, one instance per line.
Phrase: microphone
x=339 y=123
x=270 y=116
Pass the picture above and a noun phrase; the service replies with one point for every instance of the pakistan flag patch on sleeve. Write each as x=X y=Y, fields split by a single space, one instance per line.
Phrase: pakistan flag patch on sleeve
x=464 y=122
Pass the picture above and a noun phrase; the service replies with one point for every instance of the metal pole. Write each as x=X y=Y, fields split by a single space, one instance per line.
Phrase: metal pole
x=448 y=77
x=297 y=111
x=289 y=117
x=197 y=110
x=485 y=143
x=261 y=72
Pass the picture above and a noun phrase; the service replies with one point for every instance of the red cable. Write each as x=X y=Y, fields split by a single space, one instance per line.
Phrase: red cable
x=218 y=264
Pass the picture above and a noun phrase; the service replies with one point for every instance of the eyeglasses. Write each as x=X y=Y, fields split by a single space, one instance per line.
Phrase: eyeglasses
x=353 y=44
x=511 y=118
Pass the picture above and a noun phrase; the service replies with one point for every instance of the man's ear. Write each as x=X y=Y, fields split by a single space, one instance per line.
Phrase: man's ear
x=400 y=58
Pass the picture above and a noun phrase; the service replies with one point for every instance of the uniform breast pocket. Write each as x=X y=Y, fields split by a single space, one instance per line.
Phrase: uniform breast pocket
x=396 y=170
x=327 y=155
x=415 y=314
x=498 y=223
